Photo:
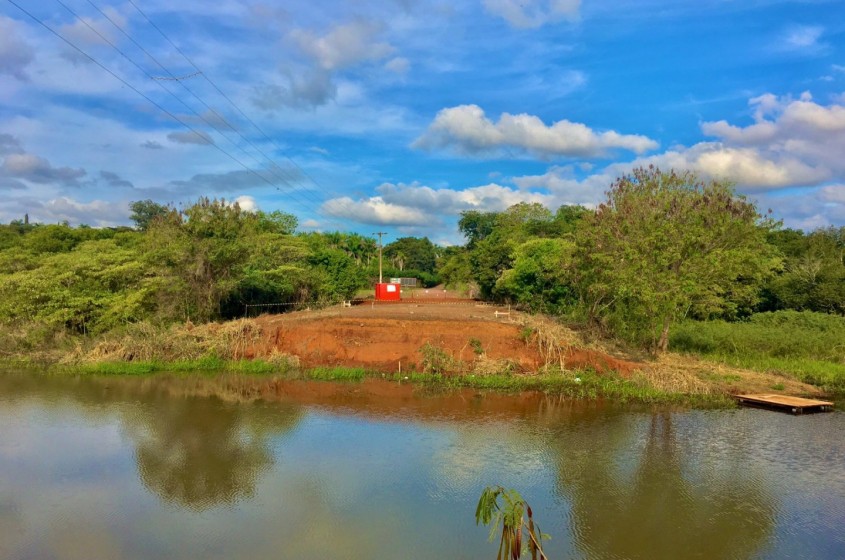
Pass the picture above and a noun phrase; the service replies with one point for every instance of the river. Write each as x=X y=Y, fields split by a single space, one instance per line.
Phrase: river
x=122 y=468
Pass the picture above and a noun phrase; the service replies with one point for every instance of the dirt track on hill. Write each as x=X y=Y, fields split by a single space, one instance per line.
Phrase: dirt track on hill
x=381 y=336
x=387 y=337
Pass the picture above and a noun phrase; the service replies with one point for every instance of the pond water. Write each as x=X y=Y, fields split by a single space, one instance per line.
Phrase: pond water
x=150 y=468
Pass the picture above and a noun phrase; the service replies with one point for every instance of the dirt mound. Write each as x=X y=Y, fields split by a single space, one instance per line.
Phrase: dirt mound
x=383 y=336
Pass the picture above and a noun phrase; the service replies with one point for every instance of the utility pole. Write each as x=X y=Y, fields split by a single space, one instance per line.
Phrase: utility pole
x=379 y=233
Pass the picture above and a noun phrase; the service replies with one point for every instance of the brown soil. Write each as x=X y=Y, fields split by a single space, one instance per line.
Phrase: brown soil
x=387 y=337
x=381 y=336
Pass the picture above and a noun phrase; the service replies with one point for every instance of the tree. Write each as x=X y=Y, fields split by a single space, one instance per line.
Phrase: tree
x=145 y=211
x=540 y=279
x=412 y=253
x=664 y=243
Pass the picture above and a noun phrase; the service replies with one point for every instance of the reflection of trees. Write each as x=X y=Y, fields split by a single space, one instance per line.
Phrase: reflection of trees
x=655 y=505
x=193 y=451
x=201 y=452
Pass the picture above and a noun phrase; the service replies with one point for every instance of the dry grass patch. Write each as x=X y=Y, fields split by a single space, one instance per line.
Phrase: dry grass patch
x=144 y=342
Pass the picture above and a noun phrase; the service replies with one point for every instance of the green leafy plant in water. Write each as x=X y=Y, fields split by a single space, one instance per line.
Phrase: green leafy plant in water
x=517 y=522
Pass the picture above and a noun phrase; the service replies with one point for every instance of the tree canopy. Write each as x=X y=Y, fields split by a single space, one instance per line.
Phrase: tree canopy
x=666 y=244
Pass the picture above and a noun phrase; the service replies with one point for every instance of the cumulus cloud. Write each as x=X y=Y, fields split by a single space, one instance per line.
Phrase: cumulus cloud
x=791 y=142
x=467 y=129
x=312 y=85
x=419 y=205
x=344 y=45
x=191 y=137
x=98 y=213
x=246 y=203
x=491 y=197
x=15 y=53
x=374 y=210
x=29 y=167
x=307 y=89
x=526 y=14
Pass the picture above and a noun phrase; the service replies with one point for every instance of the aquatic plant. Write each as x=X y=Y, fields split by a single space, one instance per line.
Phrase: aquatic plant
x=519 y=531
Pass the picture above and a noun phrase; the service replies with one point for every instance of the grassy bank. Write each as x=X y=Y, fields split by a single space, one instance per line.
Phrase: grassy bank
x=576 y=385
x=805 y=345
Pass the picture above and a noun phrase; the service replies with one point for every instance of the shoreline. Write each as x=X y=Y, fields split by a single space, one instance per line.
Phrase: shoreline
x=257 y=375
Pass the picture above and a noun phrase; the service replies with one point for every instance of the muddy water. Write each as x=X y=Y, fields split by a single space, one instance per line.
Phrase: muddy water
x=154 y=468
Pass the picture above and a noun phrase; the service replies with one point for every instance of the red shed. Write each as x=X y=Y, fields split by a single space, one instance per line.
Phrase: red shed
x=386 y=291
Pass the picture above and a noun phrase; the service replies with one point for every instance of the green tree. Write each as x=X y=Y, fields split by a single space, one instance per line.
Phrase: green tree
x=215 y=256
x=413 y=253
x=144 y=212
x=664 y=243
x=540 y=279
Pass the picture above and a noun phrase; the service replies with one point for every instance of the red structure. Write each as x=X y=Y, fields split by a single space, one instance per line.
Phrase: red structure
x=388 y=292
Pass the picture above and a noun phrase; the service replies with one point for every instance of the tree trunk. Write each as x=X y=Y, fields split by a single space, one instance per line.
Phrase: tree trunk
x=663 y=343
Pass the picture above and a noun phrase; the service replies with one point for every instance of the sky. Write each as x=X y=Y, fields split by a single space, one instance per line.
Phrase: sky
x=398 y=115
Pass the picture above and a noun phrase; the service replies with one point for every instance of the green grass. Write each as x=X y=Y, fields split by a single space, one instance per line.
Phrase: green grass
x=804 y=345
x=336 y=374
x=575 y=385
x=208 y=364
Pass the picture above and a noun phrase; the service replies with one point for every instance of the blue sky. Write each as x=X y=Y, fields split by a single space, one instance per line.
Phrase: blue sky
x=398 y=115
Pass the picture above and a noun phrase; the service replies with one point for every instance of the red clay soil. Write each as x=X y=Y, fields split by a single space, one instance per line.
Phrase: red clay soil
x=381 y=337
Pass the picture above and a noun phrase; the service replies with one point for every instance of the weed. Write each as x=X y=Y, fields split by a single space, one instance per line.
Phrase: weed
x=476 y=346
x=436 y=361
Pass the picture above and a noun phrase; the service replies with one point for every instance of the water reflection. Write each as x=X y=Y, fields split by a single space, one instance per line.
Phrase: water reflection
x=203 y=452
x=192 y=451
x=636 y=495
x=135 y=468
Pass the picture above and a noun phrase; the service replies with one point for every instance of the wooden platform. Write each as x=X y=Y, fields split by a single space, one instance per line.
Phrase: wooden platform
x=795 y=405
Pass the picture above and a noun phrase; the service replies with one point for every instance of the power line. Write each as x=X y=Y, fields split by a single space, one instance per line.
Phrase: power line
x=278 y=171
x=226 y=97
x=171 y=77
x=133 y=88
x=138 y=66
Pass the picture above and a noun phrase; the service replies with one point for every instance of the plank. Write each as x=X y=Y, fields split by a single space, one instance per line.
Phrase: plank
x=794 y=404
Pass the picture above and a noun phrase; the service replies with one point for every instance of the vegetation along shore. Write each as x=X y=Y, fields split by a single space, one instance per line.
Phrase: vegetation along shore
x=673 y=289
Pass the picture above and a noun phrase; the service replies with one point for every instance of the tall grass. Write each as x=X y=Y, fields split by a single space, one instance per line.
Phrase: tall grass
x=806 y=345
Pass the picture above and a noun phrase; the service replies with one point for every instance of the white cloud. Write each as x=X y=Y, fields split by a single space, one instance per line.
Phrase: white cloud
x=468 y=130
x=526 y=14
x=30 y=167
x=398 y=65
x=833 y=193
x=344 y=45
x=94 y=31
x=491 y=198
x=374 y=210
x=15 y=53
x=420 y=205
x=246 y=203
x=97 y=213
x=791 y=142
x=803 y=38
x=308 y=88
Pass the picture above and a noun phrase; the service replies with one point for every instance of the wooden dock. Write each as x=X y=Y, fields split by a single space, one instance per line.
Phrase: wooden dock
x=785 y=403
